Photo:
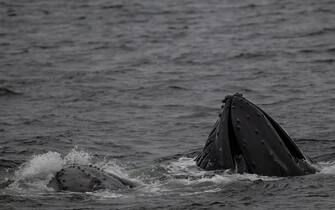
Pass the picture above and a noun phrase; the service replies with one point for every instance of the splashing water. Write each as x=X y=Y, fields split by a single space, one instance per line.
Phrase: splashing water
x=76 y=156
x=40 y=166
x=36 y=173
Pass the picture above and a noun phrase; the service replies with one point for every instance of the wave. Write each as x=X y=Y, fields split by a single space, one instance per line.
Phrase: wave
x=7 y=92
x=321 y=32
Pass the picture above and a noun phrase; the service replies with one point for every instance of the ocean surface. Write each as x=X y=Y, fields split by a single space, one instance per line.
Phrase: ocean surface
x=135 y=86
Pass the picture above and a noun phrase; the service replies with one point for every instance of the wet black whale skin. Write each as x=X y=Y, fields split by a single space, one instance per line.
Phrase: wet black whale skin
x=248 y=140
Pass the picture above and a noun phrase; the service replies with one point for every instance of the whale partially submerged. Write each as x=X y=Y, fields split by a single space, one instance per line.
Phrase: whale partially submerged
x=244 y=139
x=247 y=140
x=87 y=178
x=81 y=178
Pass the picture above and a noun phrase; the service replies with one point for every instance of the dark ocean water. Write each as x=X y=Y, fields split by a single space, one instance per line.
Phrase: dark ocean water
x=135 y=87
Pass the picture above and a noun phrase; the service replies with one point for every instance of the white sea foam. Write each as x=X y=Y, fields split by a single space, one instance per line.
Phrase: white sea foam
x=105 y=194
x=327 y=167
x=187 y=167
x=183 y=176
x=184 y=166
x=114 y=168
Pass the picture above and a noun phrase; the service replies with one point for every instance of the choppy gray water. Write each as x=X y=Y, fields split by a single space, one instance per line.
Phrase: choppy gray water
x=135 y=87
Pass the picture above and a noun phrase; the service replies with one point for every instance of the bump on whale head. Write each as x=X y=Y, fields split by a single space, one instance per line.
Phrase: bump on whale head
x=87 y=178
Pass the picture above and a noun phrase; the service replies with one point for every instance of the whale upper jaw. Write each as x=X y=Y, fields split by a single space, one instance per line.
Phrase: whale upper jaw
x=87 y=178
x=247 y=139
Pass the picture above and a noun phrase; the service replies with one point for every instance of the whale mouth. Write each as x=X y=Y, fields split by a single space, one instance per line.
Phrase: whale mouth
x=247 y=140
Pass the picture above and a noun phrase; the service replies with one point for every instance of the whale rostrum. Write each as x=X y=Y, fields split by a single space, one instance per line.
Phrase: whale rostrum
x=87 y=178
x=248 y=140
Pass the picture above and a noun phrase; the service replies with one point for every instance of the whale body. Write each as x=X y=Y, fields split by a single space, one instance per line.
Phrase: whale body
x=247 y=140
x=87 y=178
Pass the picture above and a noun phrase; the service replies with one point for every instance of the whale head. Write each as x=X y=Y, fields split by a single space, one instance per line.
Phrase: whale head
x=247 y=139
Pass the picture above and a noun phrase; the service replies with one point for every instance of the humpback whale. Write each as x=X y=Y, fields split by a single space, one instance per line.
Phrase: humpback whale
x=87 y=178
x=83 y=178
x=246 y=139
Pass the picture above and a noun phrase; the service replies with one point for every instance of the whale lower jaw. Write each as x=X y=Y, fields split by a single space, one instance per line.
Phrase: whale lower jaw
x=248 y=140
x=87 y=178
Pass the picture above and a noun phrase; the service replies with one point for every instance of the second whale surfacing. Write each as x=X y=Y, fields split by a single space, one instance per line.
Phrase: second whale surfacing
x=87 y=178
x=248 y=140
